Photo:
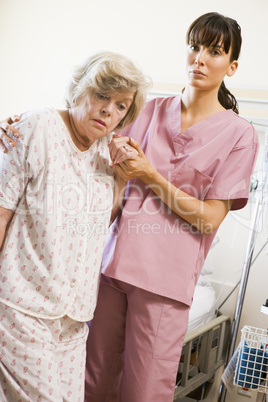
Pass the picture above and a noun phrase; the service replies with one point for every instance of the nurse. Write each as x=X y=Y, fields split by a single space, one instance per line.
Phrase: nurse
x=196 y=156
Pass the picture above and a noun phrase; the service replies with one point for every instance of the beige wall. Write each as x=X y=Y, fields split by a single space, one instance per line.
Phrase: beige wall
x=41 y=40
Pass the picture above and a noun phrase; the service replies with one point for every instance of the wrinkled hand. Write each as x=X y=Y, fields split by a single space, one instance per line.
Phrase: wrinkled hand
x=7 y=133
x=139 y=168
x=121 y=150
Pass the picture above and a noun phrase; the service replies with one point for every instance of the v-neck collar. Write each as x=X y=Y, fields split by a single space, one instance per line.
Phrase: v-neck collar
x=175 y=120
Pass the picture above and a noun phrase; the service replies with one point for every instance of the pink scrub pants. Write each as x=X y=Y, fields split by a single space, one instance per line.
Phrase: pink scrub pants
x=134 y=345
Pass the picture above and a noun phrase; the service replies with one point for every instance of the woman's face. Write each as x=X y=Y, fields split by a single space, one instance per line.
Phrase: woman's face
x=95 y=115
x=206 y=67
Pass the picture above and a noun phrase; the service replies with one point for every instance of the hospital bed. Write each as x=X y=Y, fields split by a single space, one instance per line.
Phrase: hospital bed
x=205 y=346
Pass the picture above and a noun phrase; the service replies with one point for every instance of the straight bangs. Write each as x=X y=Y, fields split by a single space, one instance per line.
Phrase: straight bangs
x=211 y=33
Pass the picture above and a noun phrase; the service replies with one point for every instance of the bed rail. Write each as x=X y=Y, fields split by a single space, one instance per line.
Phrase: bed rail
x=204 y=351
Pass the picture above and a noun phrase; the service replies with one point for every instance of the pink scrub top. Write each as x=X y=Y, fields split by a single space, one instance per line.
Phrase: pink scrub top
x=151 y=247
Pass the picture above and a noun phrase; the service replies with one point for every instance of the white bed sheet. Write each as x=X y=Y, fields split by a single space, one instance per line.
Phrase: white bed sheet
x=203 y=307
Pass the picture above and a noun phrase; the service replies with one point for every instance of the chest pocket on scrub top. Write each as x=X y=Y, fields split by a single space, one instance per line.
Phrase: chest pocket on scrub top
x=191 y=180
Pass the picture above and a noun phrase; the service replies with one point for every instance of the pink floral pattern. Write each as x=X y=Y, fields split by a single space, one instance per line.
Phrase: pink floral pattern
x=62 y=198
x=41 y=360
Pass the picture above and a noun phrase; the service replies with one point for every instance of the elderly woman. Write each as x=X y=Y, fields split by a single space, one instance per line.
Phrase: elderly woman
x=56 y=200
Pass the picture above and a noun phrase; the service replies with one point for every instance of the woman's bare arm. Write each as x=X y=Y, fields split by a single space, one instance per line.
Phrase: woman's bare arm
x=5 y=217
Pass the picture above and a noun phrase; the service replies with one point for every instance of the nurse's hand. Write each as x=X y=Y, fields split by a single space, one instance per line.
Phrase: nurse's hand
x=138 y=168
x=121 y=149
x=8 y=133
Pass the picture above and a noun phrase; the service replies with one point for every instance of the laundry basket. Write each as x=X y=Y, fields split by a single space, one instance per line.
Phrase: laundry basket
x=252 y=362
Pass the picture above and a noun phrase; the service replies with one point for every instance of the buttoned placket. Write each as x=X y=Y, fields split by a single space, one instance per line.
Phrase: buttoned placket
x=81 y=255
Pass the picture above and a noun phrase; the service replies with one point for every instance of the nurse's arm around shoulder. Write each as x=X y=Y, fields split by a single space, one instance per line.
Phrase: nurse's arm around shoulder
x=206 y=215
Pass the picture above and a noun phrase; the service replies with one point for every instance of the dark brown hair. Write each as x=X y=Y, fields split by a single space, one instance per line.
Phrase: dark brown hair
x=212 y=29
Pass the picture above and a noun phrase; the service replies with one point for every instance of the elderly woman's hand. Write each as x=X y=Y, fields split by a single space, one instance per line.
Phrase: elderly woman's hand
x=121 y=150
x=7 y=133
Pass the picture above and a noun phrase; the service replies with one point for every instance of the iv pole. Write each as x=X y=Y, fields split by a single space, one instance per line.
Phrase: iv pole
x=247 y=263
x=242 y=290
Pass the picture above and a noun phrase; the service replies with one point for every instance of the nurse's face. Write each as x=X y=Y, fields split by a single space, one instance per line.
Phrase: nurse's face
x=206 y=67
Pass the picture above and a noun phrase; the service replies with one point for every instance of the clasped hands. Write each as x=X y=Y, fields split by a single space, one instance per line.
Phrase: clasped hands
x=129 y=160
